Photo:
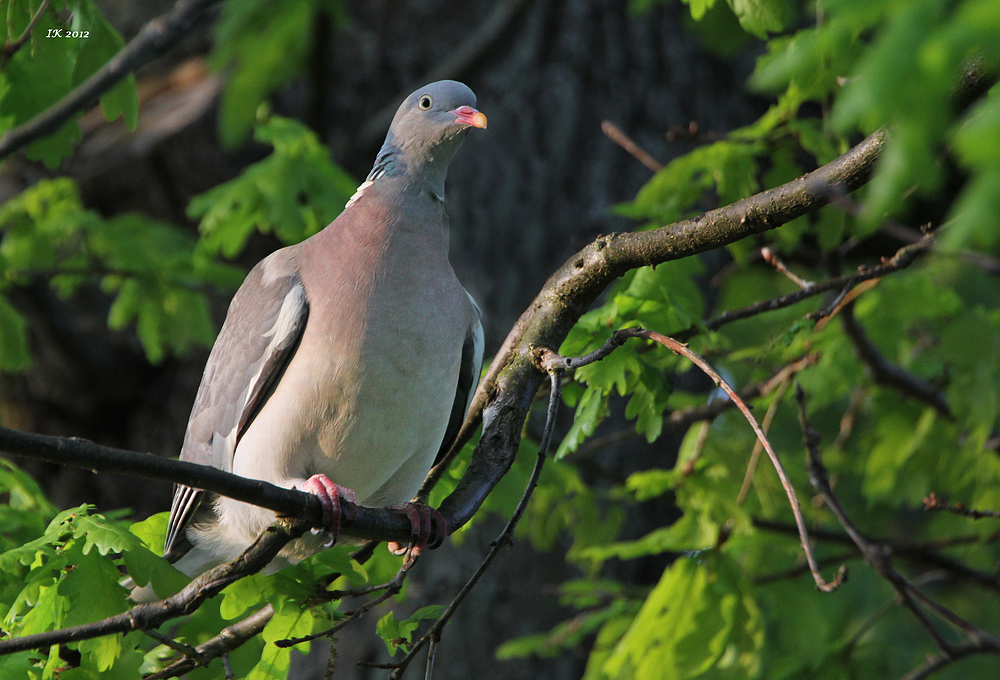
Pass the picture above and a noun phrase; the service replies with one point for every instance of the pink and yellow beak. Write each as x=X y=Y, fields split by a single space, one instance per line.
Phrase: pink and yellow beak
x=469 y=116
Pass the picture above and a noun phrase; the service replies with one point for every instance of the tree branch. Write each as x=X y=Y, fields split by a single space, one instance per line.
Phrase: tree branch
x=616 y=135
x=155 y=38
x=902 y=259
x=371 y=523
x=885 y=372
x=505 y=392
x=228 y=639
x=923 y=553
x=879 y=557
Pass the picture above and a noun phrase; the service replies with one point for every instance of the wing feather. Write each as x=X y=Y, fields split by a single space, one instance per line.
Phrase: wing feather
x=468 y=378
x=262 y=330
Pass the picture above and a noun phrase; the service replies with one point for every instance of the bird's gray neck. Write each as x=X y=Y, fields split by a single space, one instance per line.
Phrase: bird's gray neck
x=424 y=166
x=388 y=162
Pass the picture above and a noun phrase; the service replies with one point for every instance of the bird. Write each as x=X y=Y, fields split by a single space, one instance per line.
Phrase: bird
x=346 y=362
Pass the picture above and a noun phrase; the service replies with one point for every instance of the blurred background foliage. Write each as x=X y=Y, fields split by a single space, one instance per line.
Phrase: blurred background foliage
x=682 y=562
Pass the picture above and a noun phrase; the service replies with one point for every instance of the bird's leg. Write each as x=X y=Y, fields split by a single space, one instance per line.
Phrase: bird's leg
x=424 y=522
x=330 y=496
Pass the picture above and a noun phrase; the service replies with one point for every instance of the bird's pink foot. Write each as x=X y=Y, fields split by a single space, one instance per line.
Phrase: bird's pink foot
x=425 y=522
x=333 y=498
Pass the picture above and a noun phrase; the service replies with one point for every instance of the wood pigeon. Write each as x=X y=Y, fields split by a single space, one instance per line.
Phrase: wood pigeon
x=346 y=362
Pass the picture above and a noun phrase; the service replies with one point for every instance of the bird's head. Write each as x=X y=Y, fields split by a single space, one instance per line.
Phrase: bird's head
x=427 y=130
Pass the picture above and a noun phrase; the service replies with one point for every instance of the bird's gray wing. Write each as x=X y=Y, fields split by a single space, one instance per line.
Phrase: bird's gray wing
x=259 y=337
x=468 y=379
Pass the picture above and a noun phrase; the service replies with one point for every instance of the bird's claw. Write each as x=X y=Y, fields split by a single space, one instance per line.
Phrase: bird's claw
x=337 y=501
x=425 y=522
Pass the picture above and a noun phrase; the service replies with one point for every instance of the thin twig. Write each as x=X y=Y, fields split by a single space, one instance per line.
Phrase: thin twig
x=228 y=639
x=936 y=663
x=11 y=48
x=802 y=568
x=924 y=553
x=932 y=502
x=390 y=588
x=704 y=427
x=879 y=557
x=988 y=263
x=772 y=259
x=824 y=317
x=191 y=653
x=432 y=648
x=615 y=134
x=885 y=372
x=619 y=337
x=683 y=418
x=682 y=349
x=902 y=259
x=831 y=307
x=755 y=454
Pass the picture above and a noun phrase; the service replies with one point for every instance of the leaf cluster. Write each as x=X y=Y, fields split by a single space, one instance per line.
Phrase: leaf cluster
x=58 y=55
x=69 y=573
x=149 y=268
x=735 y=603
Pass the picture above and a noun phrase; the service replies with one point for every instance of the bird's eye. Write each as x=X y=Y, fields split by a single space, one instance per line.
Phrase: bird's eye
x=425 y=102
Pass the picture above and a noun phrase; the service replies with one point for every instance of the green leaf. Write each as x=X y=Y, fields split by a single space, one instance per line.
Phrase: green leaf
x=698 y=618
x=18 y=665
x=898 y=442
x=294 y=192
x=106 y=536
x=39 y=75
x=264 y=43
x=289 y=621
x=726 y=166
x=761 y=16
x=152 y=531
x=398 y=634
x=93 y=593
x=567 y=635
x=153 y=268
x=592 y=409
x=102 y=43
x=971 y=346
x=248 y=592
x=27 y=510
x=648 y=402
x=46 y=612
x=14 y=353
